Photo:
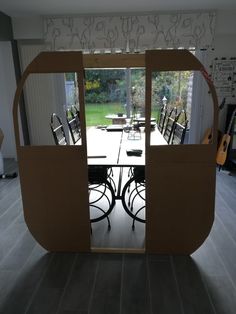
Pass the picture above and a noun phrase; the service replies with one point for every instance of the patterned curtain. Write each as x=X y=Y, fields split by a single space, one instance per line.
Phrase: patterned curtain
x=130 y=33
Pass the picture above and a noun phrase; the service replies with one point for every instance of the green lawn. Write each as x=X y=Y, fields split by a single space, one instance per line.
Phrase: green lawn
x=95 y=113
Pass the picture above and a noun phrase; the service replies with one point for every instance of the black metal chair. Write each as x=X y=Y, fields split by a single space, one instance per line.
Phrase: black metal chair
x=133 y=195
x=99 y=185
x=169 y=126
x=73 y=122
x=58 y=130
x=180 y=128
x=162 y=118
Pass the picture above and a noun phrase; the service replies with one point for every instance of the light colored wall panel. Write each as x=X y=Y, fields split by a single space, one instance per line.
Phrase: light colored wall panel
x=44 y=94
x=7 y=89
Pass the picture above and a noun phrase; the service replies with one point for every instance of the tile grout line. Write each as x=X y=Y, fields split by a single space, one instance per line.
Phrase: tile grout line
x=208 y=294
x=18 y=272
x=226 y=185
x=38 y=285
x=226 y=204
x=223 y=264
x=11 y=192
x=149 y=283
x=177 y=284
x=226 y=231
x=94 y=284
x=15 y=244
x=27 y=259
x=67 y=283
x=20 y=215
x=122 y=281
x=10 y=207
x=5 y=184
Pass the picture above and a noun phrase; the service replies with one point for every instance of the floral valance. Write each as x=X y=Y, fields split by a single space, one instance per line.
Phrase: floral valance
x=130 y=33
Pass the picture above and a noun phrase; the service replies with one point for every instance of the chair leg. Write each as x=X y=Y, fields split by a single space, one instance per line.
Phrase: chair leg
x=126 y=206
x=107 y=186
x=135 y=216
x=103 y=216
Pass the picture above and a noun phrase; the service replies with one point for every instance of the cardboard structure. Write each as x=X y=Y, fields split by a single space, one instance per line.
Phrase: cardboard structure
x=180 y=179
x=54 y=179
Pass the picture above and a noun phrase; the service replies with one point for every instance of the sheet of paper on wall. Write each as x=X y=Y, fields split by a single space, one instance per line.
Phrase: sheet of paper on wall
x=224 y=77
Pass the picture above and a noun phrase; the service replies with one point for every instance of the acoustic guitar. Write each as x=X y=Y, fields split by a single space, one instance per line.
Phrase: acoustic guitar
x=224 y=143
x=207 y=139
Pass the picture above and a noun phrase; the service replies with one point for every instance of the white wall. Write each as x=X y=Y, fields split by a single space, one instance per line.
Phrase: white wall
x=44 y=95
x=27 y=28
x=225 y=46
x=7 y=91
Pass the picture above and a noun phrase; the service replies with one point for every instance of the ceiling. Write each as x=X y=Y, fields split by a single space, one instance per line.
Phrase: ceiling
x=29 y=8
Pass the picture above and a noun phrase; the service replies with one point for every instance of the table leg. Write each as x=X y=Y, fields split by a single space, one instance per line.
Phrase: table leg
x=118 y=195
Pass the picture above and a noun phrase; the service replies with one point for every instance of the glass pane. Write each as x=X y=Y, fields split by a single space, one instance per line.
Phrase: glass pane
x=137 y=93
x=49 y=100
x=105 y=96
x=171 y=104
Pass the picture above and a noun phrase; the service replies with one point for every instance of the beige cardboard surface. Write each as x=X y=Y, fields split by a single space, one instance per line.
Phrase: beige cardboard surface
x=113 y=60
x=180 y=179
x=54 y=179
x=180 y=198
x=55 y=196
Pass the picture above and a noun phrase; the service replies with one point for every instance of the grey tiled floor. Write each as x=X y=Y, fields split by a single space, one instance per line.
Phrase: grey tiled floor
x=34 y=281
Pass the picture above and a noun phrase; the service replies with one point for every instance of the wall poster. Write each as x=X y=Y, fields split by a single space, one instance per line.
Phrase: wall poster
x=224 y=76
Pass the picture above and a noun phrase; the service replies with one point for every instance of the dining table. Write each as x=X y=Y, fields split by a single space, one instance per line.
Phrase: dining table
x=117 y=118
x=111 y=149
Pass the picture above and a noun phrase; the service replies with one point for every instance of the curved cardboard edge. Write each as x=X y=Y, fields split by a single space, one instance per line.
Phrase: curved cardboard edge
x=54 y=179
x=179 y=212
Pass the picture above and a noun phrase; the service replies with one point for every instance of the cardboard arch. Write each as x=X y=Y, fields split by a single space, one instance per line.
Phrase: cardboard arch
x=49 y=175
x=180 y=179
x=179 y=212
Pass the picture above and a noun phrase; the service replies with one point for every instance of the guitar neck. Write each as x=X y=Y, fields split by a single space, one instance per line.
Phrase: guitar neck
x=231 y=122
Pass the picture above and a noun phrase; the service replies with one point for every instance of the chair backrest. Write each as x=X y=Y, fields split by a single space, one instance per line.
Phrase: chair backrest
x=162 y=118
x=58 y=130
x=73 y=121
x=180 y=128
x=169 y=126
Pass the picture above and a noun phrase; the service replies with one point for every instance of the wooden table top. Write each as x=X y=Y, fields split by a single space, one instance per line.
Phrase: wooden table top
x=109 y=148
x=115 y=116
x=103 y=143
x=127 y=144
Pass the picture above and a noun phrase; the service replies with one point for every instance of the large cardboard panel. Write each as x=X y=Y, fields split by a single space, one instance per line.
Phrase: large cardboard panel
x=180 y=179
x=54 y=194
x=56 y=62
x=180 y=198
x=54 y=179
x=114 y=60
